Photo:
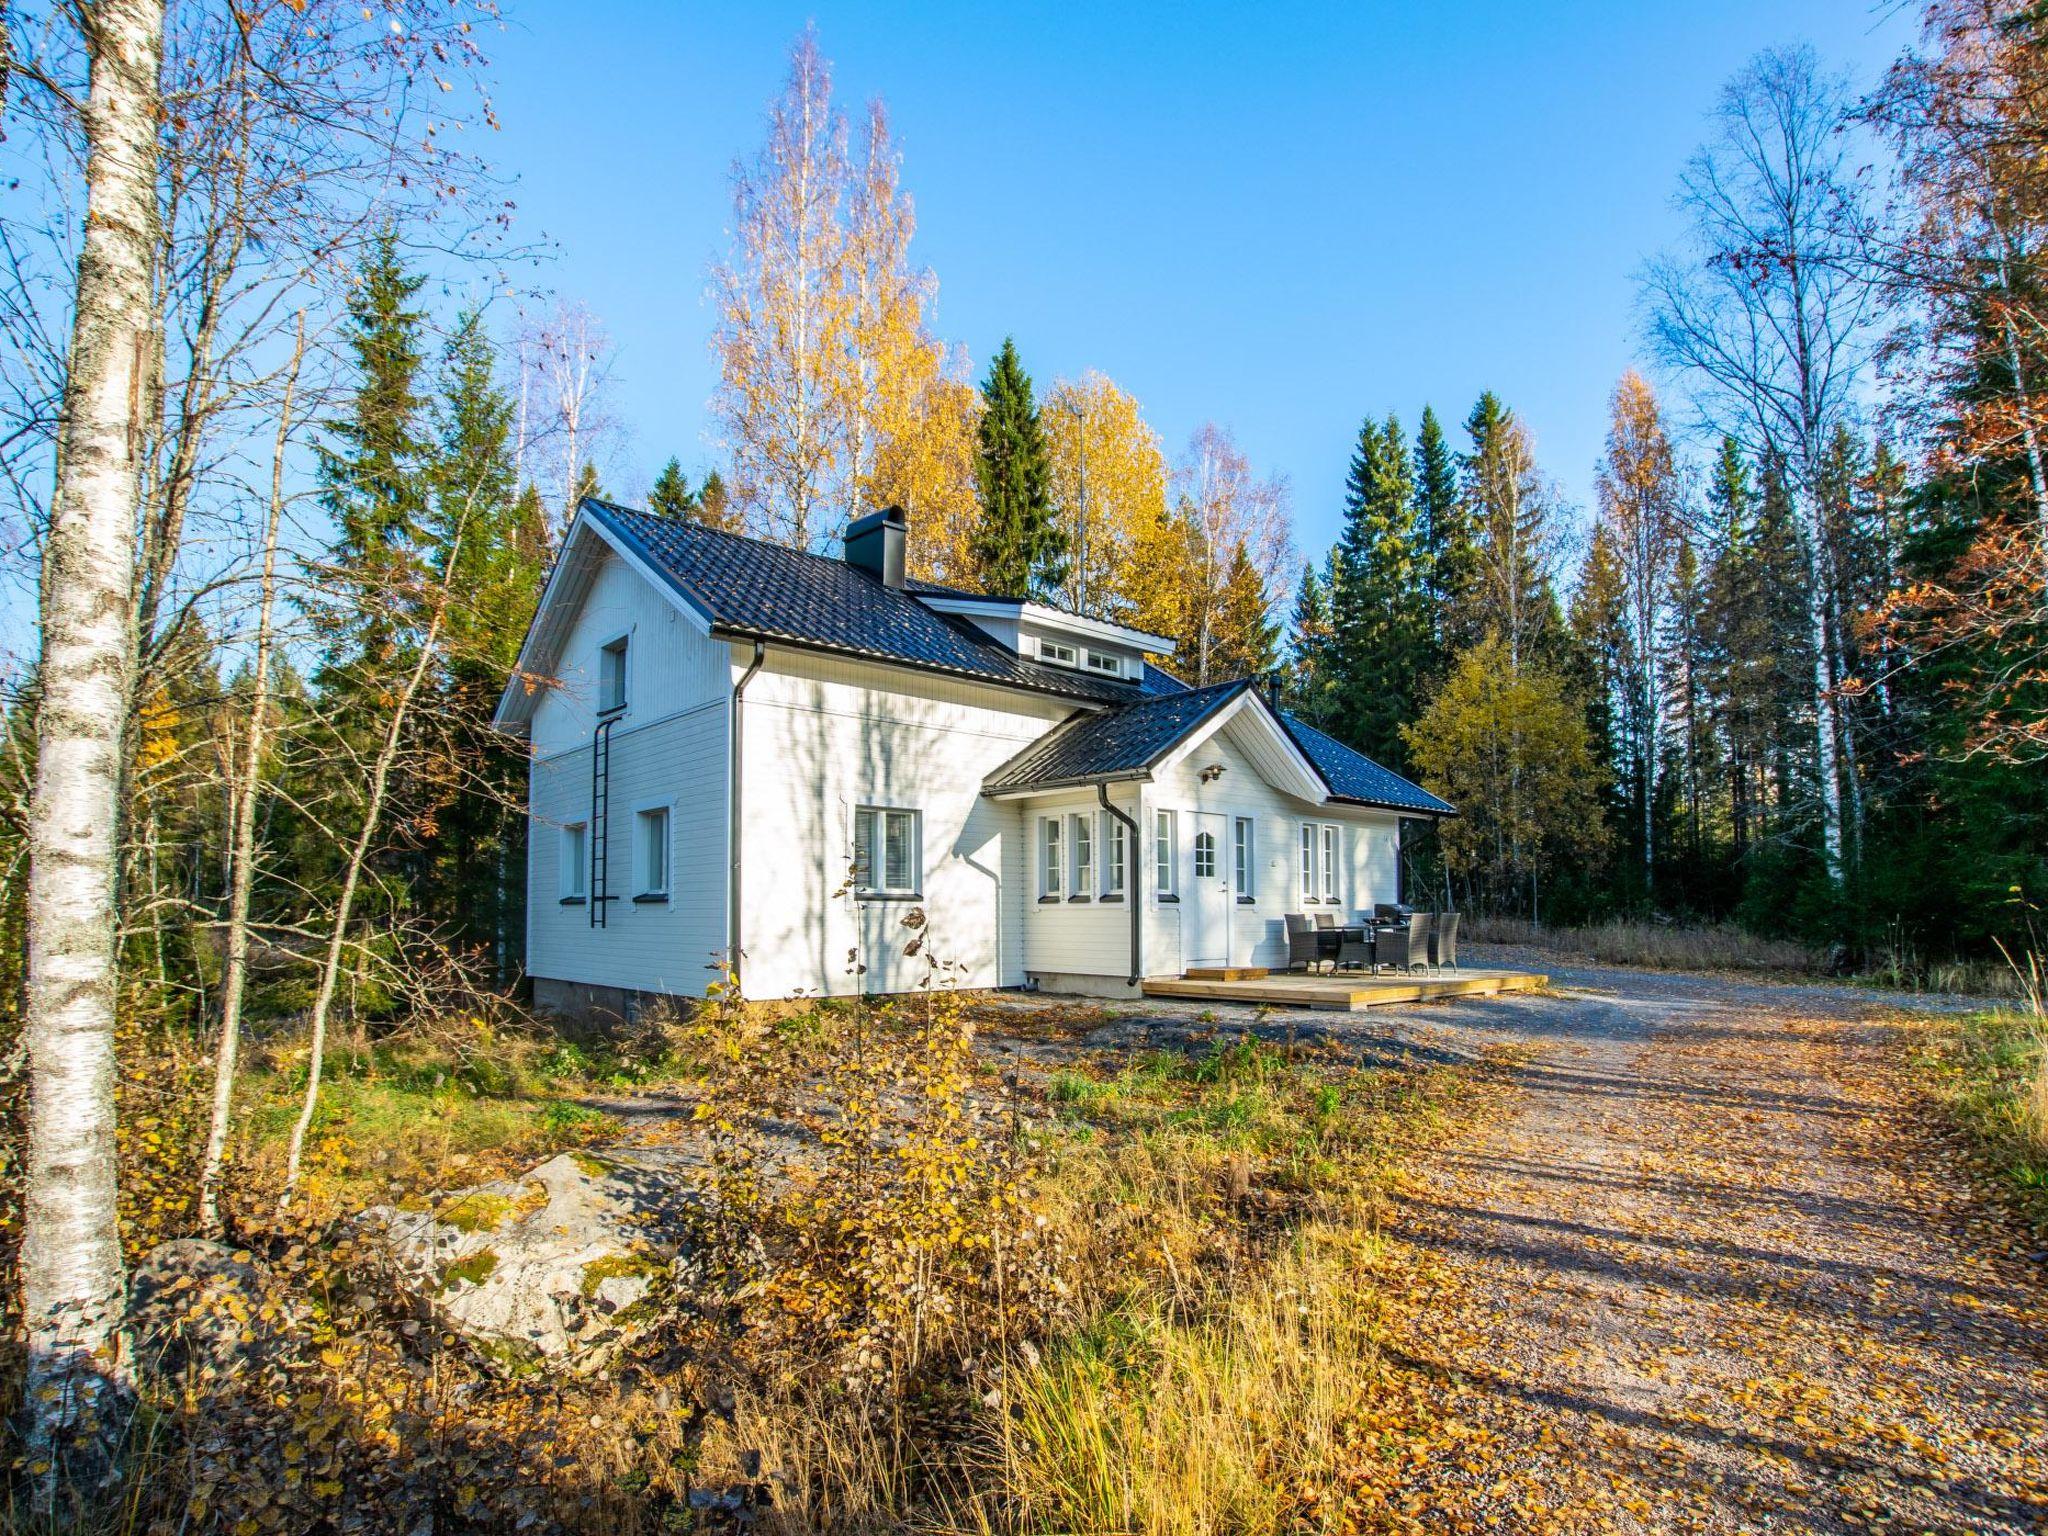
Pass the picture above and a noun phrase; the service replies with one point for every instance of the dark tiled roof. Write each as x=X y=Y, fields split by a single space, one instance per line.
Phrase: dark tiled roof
x=1112 y=742
x=760 y=590
x=1354 y=776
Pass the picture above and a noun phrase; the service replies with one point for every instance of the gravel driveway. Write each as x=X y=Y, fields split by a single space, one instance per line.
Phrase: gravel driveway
x=1701 y=1264
x=1708 y=1267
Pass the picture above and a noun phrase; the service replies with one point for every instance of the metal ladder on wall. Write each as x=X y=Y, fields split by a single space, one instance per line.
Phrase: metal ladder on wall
x=600 y=820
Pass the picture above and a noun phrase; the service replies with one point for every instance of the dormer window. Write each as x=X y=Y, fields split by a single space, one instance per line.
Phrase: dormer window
x=611 y=677
x=1106 y=661
x=1059 y=655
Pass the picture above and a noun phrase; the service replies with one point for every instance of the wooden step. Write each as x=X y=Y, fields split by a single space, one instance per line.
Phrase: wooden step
x=1226 y=973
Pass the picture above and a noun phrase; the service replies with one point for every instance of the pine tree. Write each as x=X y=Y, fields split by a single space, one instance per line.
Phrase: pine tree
x=671 y=495
x=1246 y=641
x=1445 y=529
x=1308 y=645
x=1379 y=599
x=1018 y=546
x=587 y=484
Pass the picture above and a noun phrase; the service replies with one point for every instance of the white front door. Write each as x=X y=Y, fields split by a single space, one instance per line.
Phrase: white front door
x=1208 y=905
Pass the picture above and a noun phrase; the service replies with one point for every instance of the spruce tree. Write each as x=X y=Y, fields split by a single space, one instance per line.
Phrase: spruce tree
x=1018 y=545
x=1444 y=528
x=369 y=589
x=671 y=495
x=472 y=873
x=1379 y=601
x=374 y=477
x=1308 y=640
x=1246 y=641
x=714 y=504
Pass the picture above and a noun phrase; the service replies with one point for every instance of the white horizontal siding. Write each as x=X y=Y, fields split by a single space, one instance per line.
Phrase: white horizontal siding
x=1370 y=856
x=652 y=947
x=824 y=736
x=1067 y=937
x=670 y=665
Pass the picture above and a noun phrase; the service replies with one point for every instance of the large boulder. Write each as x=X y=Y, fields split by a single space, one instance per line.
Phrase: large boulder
x=565 y=1263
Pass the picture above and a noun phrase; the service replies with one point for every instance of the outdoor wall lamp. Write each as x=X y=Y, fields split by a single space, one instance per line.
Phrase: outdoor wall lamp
x=1212 y=773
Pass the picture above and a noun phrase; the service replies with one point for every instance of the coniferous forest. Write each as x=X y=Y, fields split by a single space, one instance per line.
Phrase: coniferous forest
x=294 y=424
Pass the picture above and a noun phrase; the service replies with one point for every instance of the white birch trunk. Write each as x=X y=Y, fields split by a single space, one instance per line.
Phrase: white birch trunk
x=71 y=1269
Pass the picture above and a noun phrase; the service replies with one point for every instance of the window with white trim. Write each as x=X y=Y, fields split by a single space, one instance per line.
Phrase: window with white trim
x=1058 y=654
x=573 y=869
x=1106 y=661
x=1114 y=854
x=1081 y=853
x=650 y=852
x=611 y=677
x=1241 y=864
x=1164 y=879
x=1205 y=855
x=1051 y=867
x=1322 y=847
x=885 y=851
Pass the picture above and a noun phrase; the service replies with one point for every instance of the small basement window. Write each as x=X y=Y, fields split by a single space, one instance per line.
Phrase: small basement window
x=611 y=677
x=885 y=851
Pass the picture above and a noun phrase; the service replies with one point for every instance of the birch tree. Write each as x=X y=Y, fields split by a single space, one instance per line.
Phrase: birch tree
x=71 y=1267
x=245 y=783
x=1770 y=314
x=1640 y=505
x=784 y=311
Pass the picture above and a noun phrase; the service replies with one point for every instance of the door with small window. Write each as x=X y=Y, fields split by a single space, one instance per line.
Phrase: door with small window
x=1208 y=904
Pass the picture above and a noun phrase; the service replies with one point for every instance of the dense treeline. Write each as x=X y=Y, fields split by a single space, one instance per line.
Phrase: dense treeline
x=1794 y=675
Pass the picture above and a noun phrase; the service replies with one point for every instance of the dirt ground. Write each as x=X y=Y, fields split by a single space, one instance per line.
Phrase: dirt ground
x=1701 y=1263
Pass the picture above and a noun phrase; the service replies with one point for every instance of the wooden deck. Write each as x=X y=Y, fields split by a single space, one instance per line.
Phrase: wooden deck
x=1346 y=992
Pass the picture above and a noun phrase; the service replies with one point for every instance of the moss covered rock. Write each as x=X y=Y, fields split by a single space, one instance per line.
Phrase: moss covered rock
x=565 y=1263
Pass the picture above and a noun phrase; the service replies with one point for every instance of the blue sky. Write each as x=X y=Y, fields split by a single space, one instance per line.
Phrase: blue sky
x=1279 y=217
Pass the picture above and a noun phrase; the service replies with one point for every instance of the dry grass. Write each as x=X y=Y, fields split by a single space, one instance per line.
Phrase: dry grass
x=1656 y=946
x=1990 y=1071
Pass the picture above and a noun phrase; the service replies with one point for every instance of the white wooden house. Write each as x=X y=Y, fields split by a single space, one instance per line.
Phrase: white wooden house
x=742 y=750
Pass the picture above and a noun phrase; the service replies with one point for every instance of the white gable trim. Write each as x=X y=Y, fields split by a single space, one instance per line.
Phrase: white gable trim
x=1264 y=740
x=567 y=585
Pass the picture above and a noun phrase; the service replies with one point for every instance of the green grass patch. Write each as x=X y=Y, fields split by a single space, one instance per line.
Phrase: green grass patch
x=1991 y=1072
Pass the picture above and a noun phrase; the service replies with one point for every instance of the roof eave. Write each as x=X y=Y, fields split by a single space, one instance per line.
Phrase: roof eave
x=1082 y=781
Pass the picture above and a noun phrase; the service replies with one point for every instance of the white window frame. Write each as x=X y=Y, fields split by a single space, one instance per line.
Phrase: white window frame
x=1052 y=859
x=1244 y=854
x=1210 y=851
x=1106 y=662
x=572 y=861
x=620 y=645
x=1116 y=855
x=1321 y=857
x=1080 y=856
x=1059 y=653
x=1166 y=855
x=871 y=861
x=643 y=887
